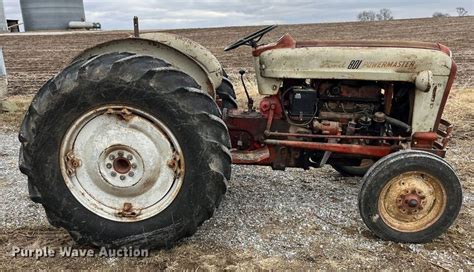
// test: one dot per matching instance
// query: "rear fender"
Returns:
(184, 54)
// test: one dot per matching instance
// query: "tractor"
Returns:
(132, 143)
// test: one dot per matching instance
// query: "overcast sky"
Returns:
(166, 14)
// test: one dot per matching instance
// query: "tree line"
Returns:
(386, 14)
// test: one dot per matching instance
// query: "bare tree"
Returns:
(440, 14)
(461, 11)
(366, 15)
(384, 15)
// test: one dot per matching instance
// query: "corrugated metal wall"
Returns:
(3, 71)
(3, 76)
(3, 19)
(51, 14)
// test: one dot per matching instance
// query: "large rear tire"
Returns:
(125, 150)
(226, 93)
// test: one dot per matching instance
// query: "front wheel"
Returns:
(410, 196)
(125, 150)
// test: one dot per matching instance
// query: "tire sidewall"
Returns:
(85, 97)
(398, 163)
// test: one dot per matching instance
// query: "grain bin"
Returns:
(3, 21)
(51, 14)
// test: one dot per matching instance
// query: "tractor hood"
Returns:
(367, 60)
(353, 61)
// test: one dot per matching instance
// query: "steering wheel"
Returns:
(252, 39)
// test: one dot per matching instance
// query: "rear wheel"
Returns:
(125, 150)
(226, 94)
(354, 170)
(410, 196)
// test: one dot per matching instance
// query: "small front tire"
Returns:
(410, 197)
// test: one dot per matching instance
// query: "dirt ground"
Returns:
(269, 219)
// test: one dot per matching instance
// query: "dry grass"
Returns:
(186, 256)
(251, 85)
(460, 112)
(11, 121)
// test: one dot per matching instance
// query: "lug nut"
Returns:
(120, 154)
(129, 157)
(111, 157)
(113, 174)
(134, 166)
(122, 177)
(131, 174)
(108, 165)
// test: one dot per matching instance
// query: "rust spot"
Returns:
(250, 157)
(171, 164)
(175, 164)
(284, 42)
(124, 113)
(71, 163)
(128, 211)
(424, 139)
(410, 203)
(374, 151)
(127, 207)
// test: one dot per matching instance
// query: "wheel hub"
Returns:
(412, 201)
(121, 166)
(124, 172)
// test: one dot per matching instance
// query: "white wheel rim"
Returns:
(121, 163)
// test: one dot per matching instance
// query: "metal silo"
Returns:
(51, 14)
(3, 20)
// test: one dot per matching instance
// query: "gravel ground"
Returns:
(269, 219)
(14, 189)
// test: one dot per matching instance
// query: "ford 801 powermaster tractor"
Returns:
(132, 143)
